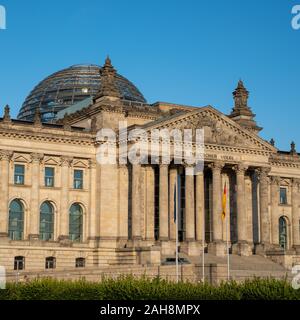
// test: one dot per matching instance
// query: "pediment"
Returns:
(21, 159)
(218, 129)
(80, 164)
(51, 161)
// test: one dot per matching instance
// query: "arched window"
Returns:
(75, 222)
(283, 234)
(16, 220)
(46, 221)
(19, 263)
(50, 263)
(80, 263)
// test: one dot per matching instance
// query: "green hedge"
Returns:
(129, 288)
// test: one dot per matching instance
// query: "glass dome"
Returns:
(66, 87)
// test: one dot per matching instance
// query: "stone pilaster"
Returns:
(66, 163)
(123, 202)
(93, 233)
(296, 214)
(5, 157)
(275, 184)
(34, 217)
(217, 247)
(136, 203)
(163, 203)
(242, 247)
(265, 225)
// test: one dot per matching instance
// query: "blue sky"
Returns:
(184, 51)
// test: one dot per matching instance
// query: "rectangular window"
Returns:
(283, 195)
(78, 179)
(50, 263)
(49, 177)
(19, 174)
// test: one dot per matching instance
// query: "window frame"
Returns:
(73, 236)
(285, 198)
(20, 222)
(17, 261)
(80, 180)
(18, 175)
(80, 262)
(49, 261)
(48, 222)
(49, 177)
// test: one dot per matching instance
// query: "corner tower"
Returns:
(241, 112)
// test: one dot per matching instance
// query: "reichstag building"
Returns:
(62, 209)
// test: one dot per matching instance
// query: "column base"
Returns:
(3, 235)
(297, 249)
(191, 248)
(168, 248)
(4, 238)
(242, 248)
(262, 248)
(34, 237)
(217, 248)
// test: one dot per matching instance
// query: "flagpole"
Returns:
(176, 237)
(227, 248)
(203, 247)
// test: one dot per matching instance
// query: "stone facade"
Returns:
(127, 209)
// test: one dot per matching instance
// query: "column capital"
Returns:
(263, 172)
(296, 182)
(163, 165)
(36, 157)
(240, 168)
(6, 155)
(92, 163)
(217, 165)
(66, 161)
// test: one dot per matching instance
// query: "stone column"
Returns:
(172, 183)
(5, 157)
(242, 247)
(34, 215)
(66, 162)
(296, 214)
(150, 204)
(136, 203)
(93, 233)
(264, 211)
(163, 203)
(189, 206)
(200, 220)
(275, 183)
(217, 247)
(123, 202)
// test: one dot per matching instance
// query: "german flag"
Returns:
(224, 200)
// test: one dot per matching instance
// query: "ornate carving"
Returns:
(296, 182)
(36, 157)
(217, 165)
(240, 168)
(66, 161)
(108, 85)
(37, 118)
(6, 155)
(92, 163)
(6, 117)
(275, 180)
(263, 172)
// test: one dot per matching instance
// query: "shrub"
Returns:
(130, 288)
